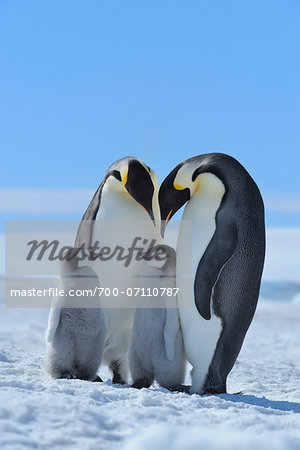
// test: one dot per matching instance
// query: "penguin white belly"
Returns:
(197, 228)
(120, 220)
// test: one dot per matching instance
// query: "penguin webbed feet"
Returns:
(68, 376)
(214, 391)
(97, 379)
(72, 376)
(117, 378)
(180, 388)
(142, 383)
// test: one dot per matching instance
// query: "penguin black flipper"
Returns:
(85, 229)
(218, 252)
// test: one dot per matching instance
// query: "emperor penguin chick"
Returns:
(76, 327)
(156, 350)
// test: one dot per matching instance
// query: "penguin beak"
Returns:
(171, 199)
(164, 223)
(139, 184)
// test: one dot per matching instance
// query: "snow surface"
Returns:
(39, 412)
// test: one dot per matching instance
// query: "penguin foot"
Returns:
(98, 380)
(140, 384)
(180, 388)
(117, 378)
(213, 392)
(68, 376)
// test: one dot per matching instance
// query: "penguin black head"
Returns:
(132, 176)
(185, 180)
(172, 196)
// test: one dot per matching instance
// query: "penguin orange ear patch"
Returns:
(124, 179)
(178, 187)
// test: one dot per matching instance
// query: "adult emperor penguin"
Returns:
(223, 224)
(123, 212)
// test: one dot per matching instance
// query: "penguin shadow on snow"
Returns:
(248, 399)
(278, 405)
(263, 402)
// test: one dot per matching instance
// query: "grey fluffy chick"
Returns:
(156, 350)
(77, 326)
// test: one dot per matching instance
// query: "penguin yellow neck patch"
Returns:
(178, 187)
(124, 179)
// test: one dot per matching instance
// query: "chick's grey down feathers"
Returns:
(76, 328)
(156, 351)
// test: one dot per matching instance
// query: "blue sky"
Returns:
(86, 83)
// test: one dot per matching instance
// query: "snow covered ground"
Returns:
(38, 412)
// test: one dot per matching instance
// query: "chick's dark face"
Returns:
(170, 198)
(140, 186)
